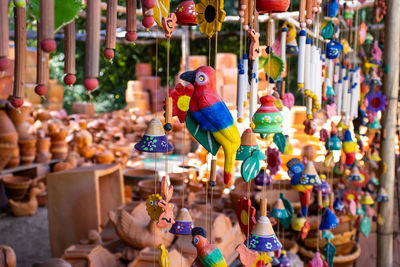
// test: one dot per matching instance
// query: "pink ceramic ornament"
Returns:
(288, 100)
(316, 261)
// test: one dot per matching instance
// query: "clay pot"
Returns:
(8, 133)
(16, 186)
(133, 176)
(43, 149)
(14, 160)
(105, 157)
(6, 152)
(22, 121)
(27, 151)
(87, 152)
(59, 149)
(59, 135)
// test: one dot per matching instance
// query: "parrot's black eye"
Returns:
(201, 78)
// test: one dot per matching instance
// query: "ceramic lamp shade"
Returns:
(272, 6)
(382, 195)
(328, 220)
(248, 145)
(185, 13)
(367, 199)
(154, 139)
(310, 175)
(279, 211)
(267, 119)
(183, 223)
(263, 237)
(355, 175)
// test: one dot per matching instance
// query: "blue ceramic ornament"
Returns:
(279, 210)
(295, 170)
(284, 260)
(262, 178)
(154, 139)
(263, 237)
(310, 175)
(382, 195)
(338, 204)
(183, 223)
(328, 220)
(333, 8)
(333, 49)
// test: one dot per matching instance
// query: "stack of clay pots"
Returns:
(43, 149)
(59, 145)
(8, 138)
(26, 139)
(83, 141)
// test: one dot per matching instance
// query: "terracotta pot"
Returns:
(339, 260)
(59, 149)
(28, 145)
(42, 199)
(6, 152)
(27, 151)
(133, 176)
(272, 6)
(22, 121)
(14, 160)
(59, 135)
(8, 133)
(87, 152)
(16, 186)
(43, 144)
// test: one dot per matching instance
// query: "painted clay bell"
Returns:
(375, 125)
(310, 175)
(267, 119)
(262, 178)
(263, 237)
(272, 6)
(279, 211)
(185, 13)
(154, 139)
(333, 143)
(248, 145)
(382, 195)
(183, 223)
(367, 199)
(355, 175)
(284, 260)
(328, 220)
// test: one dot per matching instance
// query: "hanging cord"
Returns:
(167, 102)
(248, 213)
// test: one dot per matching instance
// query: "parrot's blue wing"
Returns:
(204, 137)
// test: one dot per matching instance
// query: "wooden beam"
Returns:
(388, 134)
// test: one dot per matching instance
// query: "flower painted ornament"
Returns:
(245, 214)
(273, 160)
(154, 139)
(267, 119)
(376, 101)
(181, 98)
(152, 207)
(263, 237)
(210, 16)
(333, 49)
(183, 224)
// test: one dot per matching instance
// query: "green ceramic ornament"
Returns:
(280, 141)
(279, 210)
(365, 226)
(328, 30)
(329, 252)
(289, 210)
(274, 66)
(327, 235)
(267, 119)
(205, 138)
(375, 125)
(251, 166)
(248, 145)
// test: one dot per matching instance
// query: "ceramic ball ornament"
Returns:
(154, 139)
(183, 223)
(267, 119)
(248, 145)
(263, 237)
(185, 13)
(272, 6)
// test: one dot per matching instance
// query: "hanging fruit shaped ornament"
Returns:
(69, 53)
(5, 63)
(147, 6)
(248, 145)
(183, 223)
(46, 25)
(185, 13)
(131, 34)
(272, 6)
(111, 29)
(154, 139)
(267, 119)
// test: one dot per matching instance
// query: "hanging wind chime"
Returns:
(111, 29)
(69, 52)
(4, 37)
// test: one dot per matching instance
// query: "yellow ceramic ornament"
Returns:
(163, 256)
(161, 10)
(210, 16)
(298, 223)
(329, 161)
(345, 45)
(262, 260)
(152, 207)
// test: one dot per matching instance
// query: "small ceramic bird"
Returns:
(211, 114)
(247, 257)
(208, 255)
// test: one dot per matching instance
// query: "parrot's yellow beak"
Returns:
(188, 76)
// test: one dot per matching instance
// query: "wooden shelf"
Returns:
(32, 170)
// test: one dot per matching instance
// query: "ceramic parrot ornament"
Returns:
(207, 254)
(349, 148)
(209, 120)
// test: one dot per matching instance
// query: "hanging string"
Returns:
(207, 196)
(155, 154)
(248, 213)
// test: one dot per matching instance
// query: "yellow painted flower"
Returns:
(262, 260)
(210, 16)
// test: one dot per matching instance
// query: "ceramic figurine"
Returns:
(208, 254)
(183, 224)
(291, 43)
(166, 218)
(152, 207)
(247, 257)
(248, 145)
(185, 13)
(209, 113)
(316, 261)
(254, 50)
(168, 25)
(267, 119)
(154, 139)
(263, 237)
(349, 148)
(19, 208)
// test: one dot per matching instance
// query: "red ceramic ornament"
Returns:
(181, 96)
(17, 102)
(185, 13)
(246, 215)
(272, 6)
(90, 84)
(304, 231)
(69, 79)
(5, 63)
(41, 89)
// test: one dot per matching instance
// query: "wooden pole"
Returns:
(41, 63)
(111, 29)
(92, 48)
(388, 135)
(131, 34)
(47, 43)
(4, 36)
(69, 52)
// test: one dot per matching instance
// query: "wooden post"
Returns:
(92, 48)
(4, 36)
(185, 48)
(390, 87)
(41, 63)
(47, 43)
(111, 29)
(69, 52)
(131, 34)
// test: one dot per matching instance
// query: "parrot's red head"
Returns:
(203, 78)
(199, 237)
